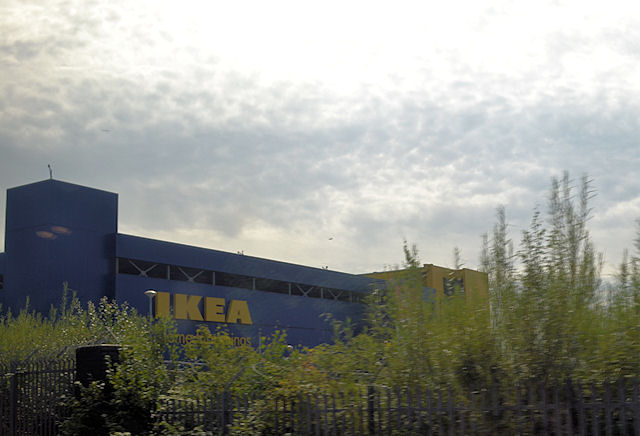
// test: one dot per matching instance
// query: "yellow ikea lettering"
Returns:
(186, 307)
(163, 304)
(215, 309)
(238, 312)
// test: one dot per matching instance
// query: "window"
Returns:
(196, 275)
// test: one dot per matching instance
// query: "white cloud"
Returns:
(267, 126)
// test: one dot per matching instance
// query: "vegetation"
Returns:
(549, 318)
(30, 335)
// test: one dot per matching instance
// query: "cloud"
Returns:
(406, 130)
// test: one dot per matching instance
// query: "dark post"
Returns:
(636, 408)
(570, 406)
(226, 411)
(93, 361)
(452, 412)
(13, 400)
(607, 408)
(371, 410)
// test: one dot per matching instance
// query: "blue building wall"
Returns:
(60, 232)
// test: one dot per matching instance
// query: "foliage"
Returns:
(30, 335)
(549, 314)
(90, 413)
(134, 385)
(142, 377)
(128, 400)
(423, 341)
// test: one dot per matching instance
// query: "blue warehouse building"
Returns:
(60, 232)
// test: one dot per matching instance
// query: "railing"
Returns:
(30, 396)
(30, 404)
(610, 409)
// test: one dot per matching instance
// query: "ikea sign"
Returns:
(215, 309)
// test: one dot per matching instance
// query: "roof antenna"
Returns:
(50, 172)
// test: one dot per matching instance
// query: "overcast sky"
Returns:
(325, 133)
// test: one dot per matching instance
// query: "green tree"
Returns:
(549, 315)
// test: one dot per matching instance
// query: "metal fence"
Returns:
(609, 409)
(30, 396)
(30, 404)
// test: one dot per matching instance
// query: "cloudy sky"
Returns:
(326, 133)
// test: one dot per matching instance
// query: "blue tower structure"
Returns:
(58, 232)
(61, 232)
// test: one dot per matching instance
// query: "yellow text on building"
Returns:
(215, 309)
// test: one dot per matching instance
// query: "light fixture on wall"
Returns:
(151, 294)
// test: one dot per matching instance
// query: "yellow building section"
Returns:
(445, 281)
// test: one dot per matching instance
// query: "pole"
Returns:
(150, 293)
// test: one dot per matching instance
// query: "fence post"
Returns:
(226, 412)
(543, 406)
(452, 412)
(622, 421)
(570, 405)
(13, 399)
(93, 363)
(371, 410)
(636, 408)
(607, 409)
